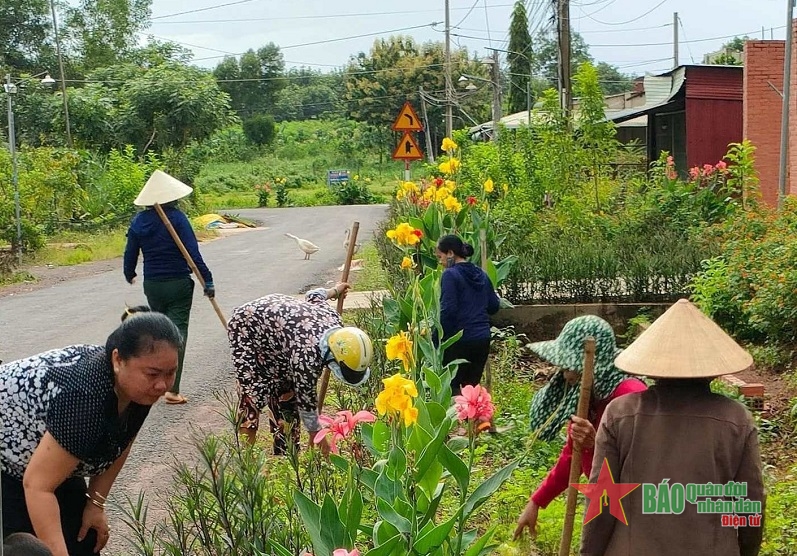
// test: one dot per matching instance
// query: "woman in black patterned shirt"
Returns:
(71, 414)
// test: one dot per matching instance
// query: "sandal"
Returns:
(175, 399)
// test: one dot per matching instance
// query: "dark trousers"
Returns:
(173, 298)
(71, 496)
(476, 353)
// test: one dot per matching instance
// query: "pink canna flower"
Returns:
(475, 403)
(694, 172)
(670, 161)
(708, 169)
(344, 552)
(340, 426)
(722, 166)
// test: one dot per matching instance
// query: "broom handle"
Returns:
(575, 462)
(355, 227)
(190, 261)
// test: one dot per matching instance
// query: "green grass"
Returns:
(71, 248)
(372, 277)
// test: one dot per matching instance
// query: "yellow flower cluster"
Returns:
(396, 399)
(449, 145)
(400, 345)
(407, 188)
(406, 263)
(404, 235)
(452, 204)
(450, 166)
(489, 186)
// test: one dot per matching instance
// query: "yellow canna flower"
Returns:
(451, 185)
(399, 347)
(452, 204)
(489, 186)
(485, 206)
(406, 263)
(400, 195)
(404, 235)
(450, 166)
(449, 145)
(410, 416)
(505, 187)
(441, 194)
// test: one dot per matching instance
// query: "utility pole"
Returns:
(784, 119)
(61, 68)
(427, 130)
(675, 63)
(449, 93)
(12, 147)
(563, 10)
(496, 82)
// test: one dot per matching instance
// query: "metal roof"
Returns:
(659, 91)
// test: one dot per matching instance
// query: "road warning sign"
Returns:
(407, 149)
(407, 120)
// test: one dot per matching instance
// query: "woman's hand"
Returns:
(527, 519)
(94, 518)
(342, 288)
(583, 433)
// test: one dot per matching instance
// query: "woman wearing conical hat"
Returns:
(678, 431)
(555, 404)
(167, 276)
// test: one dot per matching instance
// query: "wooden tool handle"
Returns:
(190, 261)
(575, 463)
(355, 227)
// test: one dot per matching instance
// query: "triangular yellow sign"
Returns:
(407, 120)
(407, 149)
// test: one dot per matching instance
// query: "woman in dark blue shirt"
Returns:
(167, 276)
(467, 298)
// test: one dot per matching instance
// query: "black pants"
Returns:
(173, 298)
(476, 353)
(71, 496)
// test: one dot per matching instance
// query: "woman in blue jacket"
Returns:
(167, 276)
(467, 299)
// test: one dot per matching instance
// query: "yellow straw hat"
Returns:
(684, 343)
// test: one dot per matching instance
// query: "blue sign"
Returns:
(335, 177)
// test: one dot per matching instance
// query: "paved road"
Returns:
(245, 266)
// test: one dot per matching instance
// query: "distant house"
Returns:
(694, 112)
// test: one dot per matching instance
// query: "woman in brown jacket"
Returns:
(676, 433)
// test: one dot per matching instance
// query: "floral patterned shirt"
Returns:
(275, 348)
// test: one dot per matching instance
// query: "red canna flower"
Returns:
(471, 200)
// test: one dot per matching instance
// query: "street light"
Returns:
(11, 88)
(495, 81)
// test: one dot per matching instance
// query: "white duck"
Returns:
(307, 246)
(346, 243)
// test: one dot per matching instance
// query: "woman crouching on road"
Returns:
(71, 414)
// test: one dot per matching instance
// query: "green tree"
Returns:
(102, 33)
(546, 62)
(378, 83)
(730, 53)
(253, 80)
(519, 58)
(25, 28)
(596, 136)
(309, 94)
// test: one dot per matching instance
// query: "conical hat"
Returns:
(684, 343)
(161, 188)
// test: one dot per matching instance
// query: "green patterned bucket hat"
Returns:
(555, 402)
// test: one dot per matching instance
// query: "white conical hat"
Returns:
(161, 188)
(684, 343)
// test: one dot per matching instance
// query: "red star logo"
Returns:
(605, 492)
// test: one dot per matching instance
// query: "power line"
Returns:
(203, 9)
(651, 10)
(470, 11)
(681, 23)
(327, 41)
(322, 16)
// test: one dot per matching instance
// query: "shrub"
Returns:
(260, 129)
(353, 193)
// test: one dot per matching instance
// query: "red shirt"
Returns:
(558, 478)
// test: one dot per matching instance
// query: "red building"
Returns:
(694, 113)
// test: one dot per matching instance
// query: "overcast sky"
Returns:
(635, 35)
